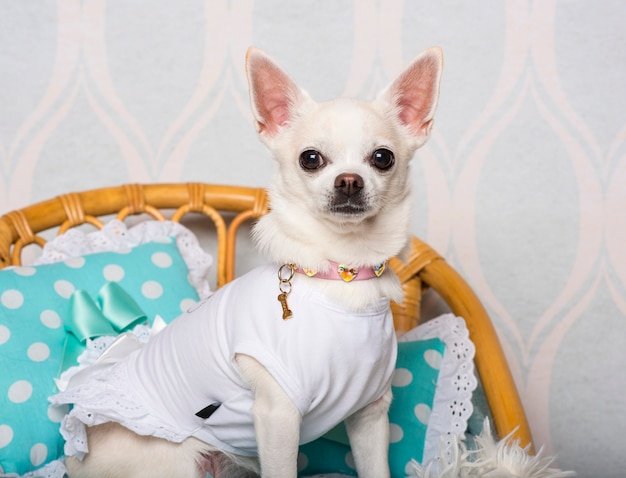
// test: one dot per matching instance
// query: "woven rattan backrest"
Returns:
(423, 268)
(21, 228)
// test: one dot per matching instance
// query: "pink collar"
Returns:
(346, 273)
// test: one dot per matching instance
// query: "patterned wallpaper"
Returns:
(522, 186)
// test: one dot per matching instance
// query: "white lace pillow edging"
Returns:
(452, 404)
(54, 469)
(115, 235)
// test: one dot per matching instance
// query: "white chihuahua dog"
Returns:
(233, 386)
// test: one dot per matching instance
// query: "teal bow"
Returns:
(114, 312)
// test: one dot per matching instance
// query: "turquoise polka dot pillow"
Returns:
(34, 302)
(432, 386)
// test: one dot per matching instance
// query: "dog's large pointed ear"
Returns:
(274, 96)
(413, 96)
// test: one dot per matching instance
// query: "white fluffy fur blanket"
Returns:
(490, 459)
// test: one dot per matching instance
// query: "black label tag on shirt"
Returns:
(207, 411)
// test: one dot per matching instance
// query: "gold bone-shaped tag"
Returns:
(282, 298)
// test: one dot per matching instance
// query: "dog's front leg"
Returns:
(368, 431)
(276, 421)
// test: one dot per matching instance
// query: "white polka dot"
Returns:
(64, 288)
(25, 271)
(422, 412)
(57, 412)
(50, 319)
(303, 461)
(161, 259)
(433, 358)
(186, 304)
(20, 391)
(5, 334)
(113, 273)
(38, 352)
(6, 435)
(38, 454)
(12, 299)
(395, 433)
(350, 460)
(402, 377)
(152, 289)
(75, 262)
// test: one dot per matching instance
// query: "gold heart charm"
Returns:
(309, 272)
(347, 274)
(379, 269)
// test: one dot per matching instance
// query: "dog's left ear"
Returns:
(413, 96)
(275, 97)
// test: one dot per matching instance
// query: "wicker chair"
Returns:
(229, 207)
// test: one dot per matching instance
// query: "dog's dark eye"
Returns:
(383, 159)
(311, 160)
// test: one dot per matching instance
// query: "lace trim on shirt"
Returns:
(112, 401)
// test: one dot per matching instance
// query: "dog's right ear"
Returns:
(274, 96)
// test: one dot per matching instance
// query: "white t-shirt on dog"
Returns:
(329, 360)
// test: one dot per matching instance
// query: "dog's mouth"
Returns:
(348, 208)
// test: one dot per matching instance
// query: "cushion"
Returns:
(34, 301)
(432, 387)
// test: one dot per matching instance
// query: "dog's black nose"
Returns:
(349, 183)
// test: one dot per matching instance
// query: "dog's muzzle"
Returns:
(348, 198)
